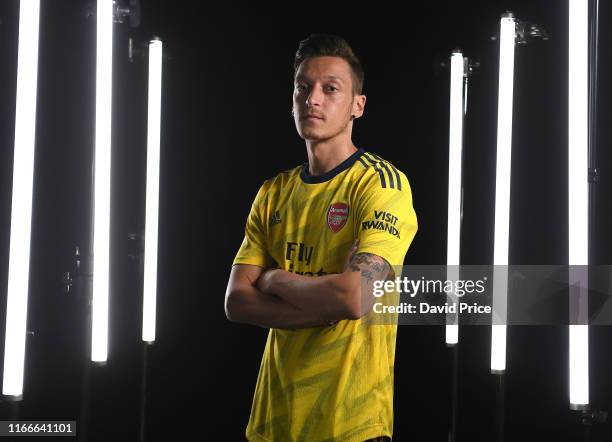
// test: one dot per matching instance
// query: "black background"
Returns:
(226, 128)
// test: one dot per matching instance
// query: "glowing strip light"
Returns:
(502, 182)
(152, 198)
(21, 209)
(102, 175)
(578, 188)
(454, 180)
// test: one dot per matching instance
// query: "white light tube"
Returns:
(502, 180)
(578, 191)
(454, 180)
(21, 209)
(102, 184)
(152, 192)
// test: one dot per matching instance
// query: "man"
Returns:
(316, 239)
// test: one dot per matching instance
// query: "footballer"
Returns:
(316, 238)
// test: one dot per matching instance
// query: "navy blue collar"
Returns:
(314, 179)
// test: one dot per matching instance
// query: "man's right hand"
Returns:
(244, 302)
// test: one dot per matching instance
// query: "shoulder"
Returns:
(277, 182)
(379, 173)
(282, 178)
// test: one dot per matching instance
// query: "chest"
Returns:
(307, 225)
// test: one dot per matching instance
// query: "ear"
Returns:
(358, 106)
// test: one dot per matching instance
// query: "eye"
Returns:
(300, 87)
(332, 88)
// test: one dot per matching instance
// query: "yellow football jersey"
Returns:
(327, 383)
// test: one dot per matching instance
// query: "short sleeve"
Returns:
(386, 219)
(253, 248)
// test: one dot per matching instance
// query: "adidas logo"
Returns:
(275, 219)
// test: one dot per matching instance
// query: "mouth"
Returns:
(311, 117)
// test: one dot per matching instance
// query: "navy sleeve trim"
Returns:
(374, 163)
(397, 176)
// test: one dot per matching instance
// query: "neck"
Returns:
(324, 155)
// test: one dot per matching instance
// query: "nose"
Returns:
(315, 96)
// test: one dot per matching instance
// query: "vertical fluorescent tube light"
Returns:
(454, 179)
(102, 184)
(152, 189)
(21, 209)
(578, 190)
(502, 180)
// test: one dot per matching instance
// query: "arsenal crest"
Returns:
(337, 215)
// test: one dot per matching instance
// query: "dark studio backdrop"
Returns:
(226, 128)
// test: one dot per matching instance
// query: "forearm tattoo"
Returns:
(372, 267)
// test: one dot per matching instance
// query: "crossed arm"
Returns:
(275, 298)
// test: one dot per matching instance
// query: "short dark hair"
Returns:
(321, 45)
